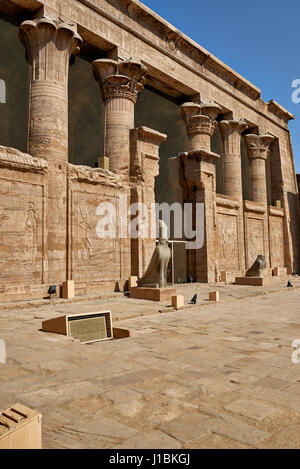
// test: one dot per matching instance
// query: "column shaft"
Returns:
(232, 170)
(120, 84)
(199, 168)
(49, 45)
(258, 149)
(119, 120)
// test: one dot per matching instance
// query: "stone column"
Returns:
(49, 44)
(232, 170)
(120, 84)
(231, 131)
(144, 169)
(199, 168)
(258, 150)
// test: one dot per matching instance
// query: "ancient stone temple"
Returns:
(102, 101)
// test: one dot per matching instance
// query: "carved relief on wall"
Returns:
(21, 233)
(94, 258)
(31, 233)
(254, 240)
(87, 229)
(228, 242)
(277, 242)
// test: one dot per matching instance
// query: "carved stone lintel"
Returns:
(94, 176)
(121, 80)
(15, 159)
(223, 201)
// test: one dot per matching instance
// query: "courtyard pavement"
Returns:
(210, 376)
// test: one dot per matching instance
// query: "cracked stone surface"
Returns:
(211, 376)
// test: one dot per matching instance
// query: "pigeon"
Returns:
(194, 299)
(289, 284)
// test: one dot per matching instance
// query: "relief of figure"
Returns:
(277, 246)
(31, 232)
(255, 244)
(223, 244)
(86, 228)
(157, 271)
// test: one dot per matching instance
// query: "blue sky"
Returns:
(259, 39)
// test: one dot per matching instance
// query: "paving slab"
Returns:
(213, 375)
(249, 408)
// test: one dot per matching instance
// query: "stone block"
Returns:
(189, 427)
(20, 428)
(224, 277)
(278, 203)
(68, 289)
(152, 294)
(132, 282)
(255, 410)
(178, 301)
(279, 271)
(253, 281)
(103, 162)
(119, 333)
(214, 296)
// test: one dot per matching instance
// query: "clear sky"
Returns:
(259, 39)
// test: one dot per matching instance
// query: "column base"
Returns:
(152, 294)
(253, 281)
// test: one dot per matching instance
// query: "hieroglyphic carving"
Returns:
(31, 233)
(21, 233)
(86, 229)
(94, 258)
(255, 239)
(228, 242)
(277, 242)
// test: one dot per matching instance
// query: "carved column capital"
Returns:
(231, 131)
(258, 145)
(46, 42)
(201, 123)
(120, 79)
(200, 118)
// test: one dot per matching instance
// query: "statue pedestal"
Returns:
(253, 281)
(152, 294)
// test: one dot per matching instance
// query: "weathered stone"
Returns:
(258, 268)
(150, 440)
(189, 427)
(48, 225)
(249, 408)
(156, 274)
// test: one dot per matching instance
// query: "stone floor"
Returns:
(209, 376)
